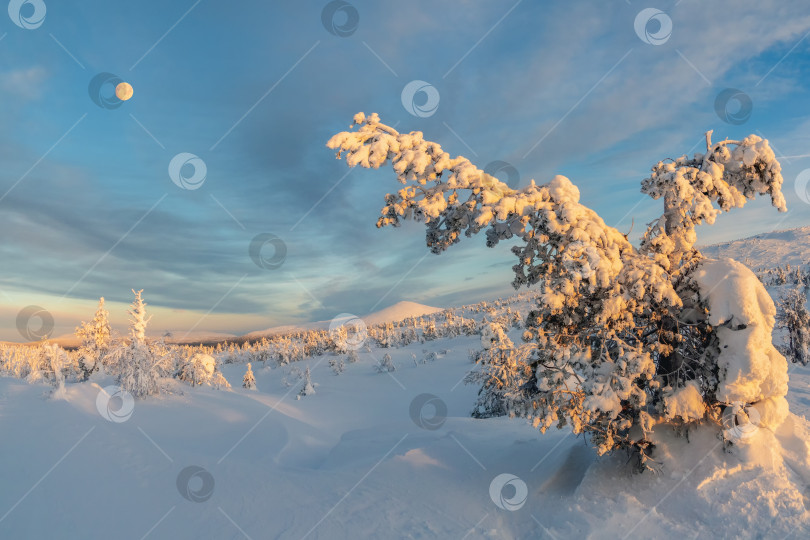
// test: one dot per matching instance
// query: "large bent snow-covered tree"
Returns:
(625, 337)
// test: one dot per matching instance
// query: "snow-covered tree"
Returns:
(623, 336)
(197, 370)
(794, 319)
(95, 340)
(139, 320)
(308, 389)
(219, 381)
(201, 369)
(337, 365)
(386, 365)
(140, 366)
(504, 374)
(493, 334)
(248, 381)
(781, 276)
(54, 362)
(429, 332)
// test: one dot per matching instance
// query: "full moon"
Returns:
(123, 91)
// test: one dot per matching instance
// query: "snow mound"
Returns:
(751, 491)
(751, 369)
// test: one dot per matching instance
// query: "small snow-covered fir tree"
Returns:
(219, 381)
(504, 378)
(248, 381)
(429, 331)
(139, 320)
(623, 337)
(308, 389)
(262, 352)
(386, 365)
(504, 373)
(55, 361)
(95, 340)
(138, 365)
(337, 365)
(793, 317)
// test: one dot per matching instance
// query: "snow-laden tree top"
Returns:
(700, 188)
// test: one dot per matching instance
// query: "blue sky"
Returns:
(256, 89)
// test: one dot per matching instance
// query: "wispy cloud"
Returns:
(24, 83)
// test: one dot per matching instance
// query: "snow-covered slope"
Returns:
(766, 250)
(362, 459)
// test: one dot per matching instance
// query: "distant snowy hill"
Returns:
(398, 312)
(394, 313)
(766, 250)
(177, 337)
(197, 336)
